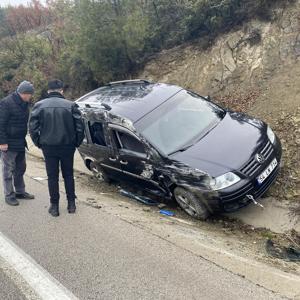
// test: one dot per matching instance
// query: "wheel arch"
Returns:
(88, 161)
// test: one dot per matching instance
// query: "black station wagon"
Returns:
(172, 142)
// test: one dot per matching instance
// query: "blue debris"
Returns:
(142, 199)
(166, 213)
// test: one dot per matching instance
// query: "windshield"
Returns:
(179, 122)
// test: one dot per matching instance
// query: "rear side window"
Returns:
(97, 133)
(128, 142)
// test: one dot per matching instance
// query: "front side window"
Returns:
(97, 133)
(128, 142)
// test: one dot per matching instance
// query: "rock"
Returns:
(98, 206)
(161, 205)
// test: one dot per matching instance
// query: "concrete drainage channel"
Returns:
(274, 216)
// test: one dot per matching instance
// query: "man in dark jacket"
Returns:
(56, 127)
(14, 114)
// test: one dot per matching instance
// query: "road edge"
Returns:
(261, 274)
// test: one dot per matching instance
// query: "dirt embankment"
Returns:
(255, 69)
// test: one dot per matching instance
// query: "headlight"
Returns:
(271, 135)
(224, 181)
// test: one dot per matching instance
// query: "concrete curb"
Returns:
(269, 277)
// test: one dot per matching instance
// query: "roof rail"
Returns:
(104, 105)
(128, 82)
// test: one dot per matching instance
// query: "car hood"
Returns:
(226, 147)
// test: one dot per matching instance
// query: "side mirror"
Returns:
(142, 155)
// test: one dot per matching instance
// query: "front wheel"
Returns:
(191, 203)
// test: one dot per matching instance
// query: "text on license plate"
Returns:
(264, 175)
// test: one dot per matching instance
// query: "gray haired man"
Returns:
(14, 115)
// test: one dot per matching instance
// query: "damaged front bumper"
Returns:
(248, 190)
(232, 200)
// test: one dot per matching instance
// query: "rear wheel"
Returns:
(191, 203)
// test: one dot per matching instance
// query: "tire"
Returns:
(191, 204)
(99, 174)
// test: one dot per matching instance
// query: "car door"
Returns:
(134, 158)
(102, 150)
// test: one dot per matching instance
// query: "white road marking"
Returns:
(42, 283)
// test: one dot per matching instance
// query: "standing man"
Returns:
(56, 127)
(14, 114)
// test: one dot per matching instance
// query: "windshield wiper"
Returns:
(182, 149)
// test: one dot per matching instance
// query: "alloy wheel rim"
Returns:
(186, 205)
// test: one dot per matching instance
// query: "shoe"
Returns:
(12, 202)
(25, 195)
(53, 210)
(71, 207)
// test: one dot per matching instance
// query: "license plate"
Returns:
(265, 174)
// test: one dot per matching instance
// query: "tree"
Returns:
(22, 18)
(111, 36)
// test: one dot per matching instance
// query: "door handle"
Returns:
(124, 162)
(112, 159)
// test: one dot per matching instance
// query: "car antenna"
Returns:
(106, 106)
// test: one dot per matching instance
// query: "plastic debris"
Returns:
(166, 213)
(40, 178)
(142, 199)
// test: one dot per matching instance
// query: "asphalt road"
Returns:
(96, 255)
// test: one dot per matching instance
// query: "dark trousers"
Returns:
(63, 156)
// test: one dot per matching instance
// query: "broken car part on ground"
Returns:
(175, 143)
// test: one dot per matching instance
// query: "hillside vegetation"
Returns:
(88, 43)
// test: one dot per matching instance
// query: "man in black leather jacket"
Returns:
(56, 127)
